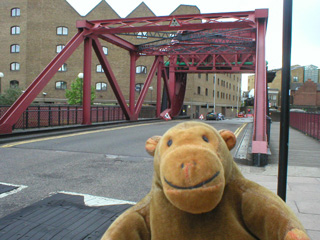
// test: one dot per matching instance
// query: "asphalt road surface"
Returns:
(108, 162)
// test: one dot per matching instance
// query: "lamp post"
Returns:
(1, 76)
(151, 89)
(80, 75)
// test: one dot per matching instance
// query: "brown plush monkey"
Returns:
(199, 193)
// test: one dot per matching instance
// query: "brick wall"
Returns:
(307, 94)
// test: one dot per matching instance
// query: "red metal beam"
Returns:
(172, 23)
(120, 42)
(146, 86)
(159, 76)
(87, 82)
(132, 93)
(15, 111)
(111, 78)
(259, 141)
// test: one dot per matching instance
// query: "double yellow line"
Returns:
(238, 131)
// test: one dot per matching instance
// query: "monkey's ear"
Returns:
(151, 144)
(229, 138)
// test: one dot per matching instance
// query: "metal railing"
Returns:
(308, 123)
(56, 115)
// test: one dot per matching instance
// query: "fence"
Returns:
(308, 123)
(53, 115)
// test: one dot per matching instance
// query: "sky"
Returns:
(305, 22)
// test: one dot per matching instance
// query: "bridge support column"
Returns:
(132, 99)
(86, 101)
(259, 141)
(159, 76)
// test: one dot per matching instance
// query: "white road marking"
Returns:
(18, 189)
(95, 201)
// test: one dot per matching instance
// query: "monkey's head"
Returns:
(192, 162)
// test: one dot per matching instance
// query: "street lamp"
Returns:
(1, 76)
(80, 75)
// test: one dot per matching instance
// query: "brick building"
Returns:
(306, 94)
(299, 77)
(33, 32)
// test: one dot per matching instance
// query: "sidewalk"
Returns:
(303, 185)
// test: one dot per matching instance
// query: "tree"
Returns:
(10, 96)
(75, 94)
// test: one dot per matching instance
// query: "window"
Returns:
(213, 93)
(227, 96)
(15, 12)
(63, 68)
(101, 86)
(142, 35)
(218, 94)
(105, 50)
(206, 91)
(199, 75)
(99, 69)
(15, 66)
(207, 77)
(218, 81)
(295, 79)
(141, 69)
(15, 48)
(59, 48)
(139, 87)
(14, 84)
(61, 85)
(62, 31)
(227, 85)
(15, 30)
(199, 91)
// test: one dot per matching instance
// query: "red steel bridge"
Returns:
(232, 42)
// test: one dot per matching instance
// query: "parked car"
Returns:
(240, 114)
(220, 116)
(212, 116)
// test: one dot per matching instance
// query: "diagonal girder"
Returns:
(111, 77)
(12, 115)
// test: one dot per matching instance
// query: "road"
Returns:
(109, 162)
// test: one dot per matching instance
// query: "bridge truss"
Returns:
(231, 42)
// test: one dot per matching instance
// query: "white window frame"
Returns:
(101, 86)
(61, 85)
(62, 30)
(141, 69)
(15, 12)
(15, 48)
(14, 66)
(15, 30)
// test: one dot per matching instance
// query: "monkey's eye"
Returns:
(205, 139)
(169, 143)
